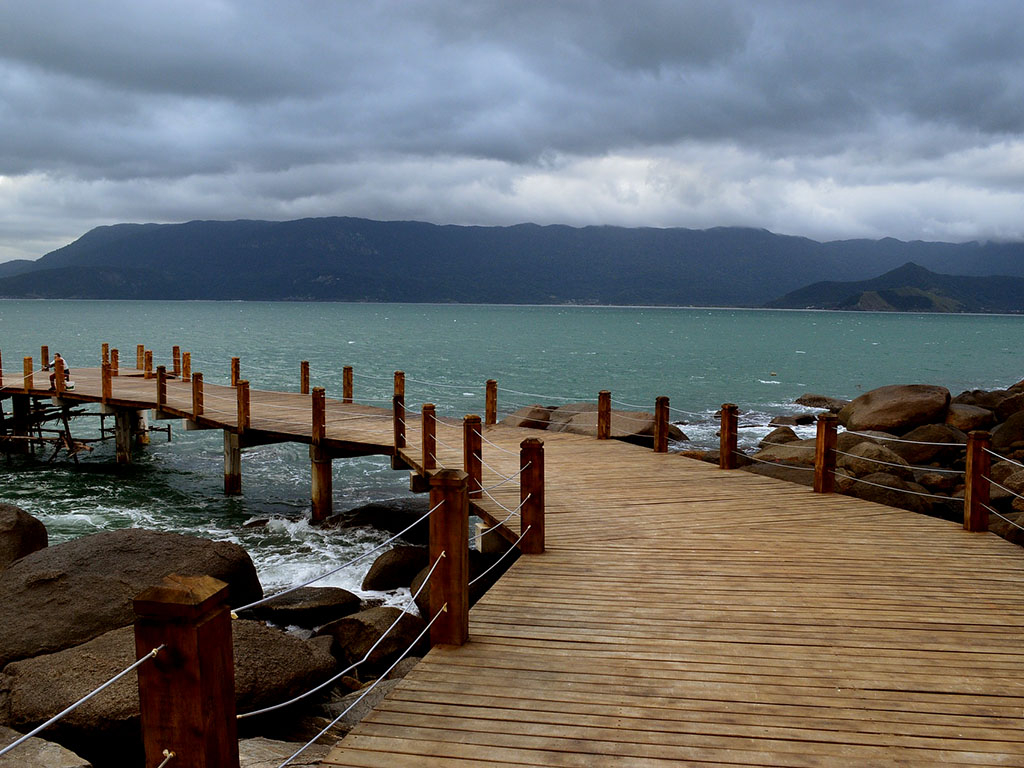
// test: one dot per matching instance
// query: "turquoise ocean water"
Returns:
(760, 359)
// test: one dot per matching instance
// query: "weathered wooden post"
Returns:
(140, 356)
(304, 377)
(104, 353)
(472, 454)
(141, 427)
(58, 375)
(242, 403)
(531, 495)
(176, 361)
(398, 407)
(123, 435)
(44, 357)
(727, 437)
(825, 454)
(346, 384)
(1, 371)
(107, 388)
(161, 387)
(26, 367)
(491, 407)
(115, 362)
(236, 371)
(321, 469)
(661, 424)
(429, 436)
(449, 548)
(187, 691)
(604, 414)
(197, 396)
(186, 366)
(976, 478)
(148, 372)
(232, 464)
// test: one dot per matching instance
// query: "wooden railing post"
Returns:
(319, 416)
(186, 366)
(429, 436)
(1, 370)
(449, 548)
(197, 396)
(140, 356)
(107, 390)
(161, 387)
(26, 368)
(491, 406)
(322, 495)
(236, 371)
(148, 370)
(346, 384)
(176, 361)
(104, 353)
(187, 692)
(604, 414)
(58, 374)
(398, 407)
(661, 424)
(825, 454)
(242, 392)
(304, 377)
(531, 495)
(472, 454)
(976, 475)
(727, 437)
(115, 362)
(44, 357)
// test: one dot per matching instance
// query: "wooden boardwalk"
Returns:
(685, 615)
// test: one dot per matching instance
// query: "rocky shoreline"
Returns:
(68, 628)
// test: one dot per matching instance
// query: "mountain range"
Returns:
(350, 259)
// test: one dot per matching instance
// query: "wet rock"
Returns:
(20, 534)
(532, 416)
(67, 594)
(356, 634)
(833, 404)
(897, 408)
(395, 568)
(308, 607)
(968, 418)
(799, 420)
(392, 515)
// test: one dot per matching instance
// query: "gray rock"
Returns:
(779, 435)
(532, 416)
(1009, 435)
(308, 607)
(811, 400)
(914, 453)
(395, 568)
(392, 515)
(356, 634)
(20, 534)
(67, 594)
(37, 753)
(897, 408)
(793, 452)
(268, 753)
(968, 418)
(866, 458)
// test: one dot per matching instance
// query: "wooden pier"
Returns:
(680, 614)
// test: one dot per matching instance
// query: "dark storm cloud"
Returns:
(800, 116)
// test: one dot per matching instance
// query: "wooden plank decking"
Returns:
(688, 615)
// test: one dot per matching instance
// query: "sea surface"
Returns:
(759, 359)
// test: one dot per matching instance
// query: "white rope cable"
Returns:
(138, 663)
(632, 405)
(339, 675)
(1001, 517)
(494, 445)
(503, 556)
(439, 441)
(901, 490)
(437, 461)
(480, 458)
(776, 463)
(550, 397)
(1004, 488)
(369, 688)
(508, 479)
(901, 466)
(789, 445)
(340, 567)
(900, 440)
(438, 384)
(370, 376)
(511, 513)
(689, 413)
(168, 756)
(995, 455)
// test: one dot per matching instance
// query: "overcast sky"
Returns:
(824, 119)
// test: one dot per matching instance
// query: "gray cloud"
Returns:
(820, 118)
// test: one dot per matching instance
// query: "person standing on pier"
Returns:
(67, 370)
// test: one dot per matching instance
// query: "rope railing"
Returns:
(168, 756)
(550, 397)
(940, 470)
(901, 440)
(505, 554)
(511, 513)
(508, 478)
(801, 467)
(502, 475)
(1003, 488)
(501, 448)
(900, 490)
(61, 715)
(1003, 517)
(367, 690)
(631, 405)
(999, 457)
(353, 561)
(409, 604)
(794, 444)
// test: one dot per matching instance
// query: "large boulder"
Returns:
(868, 458)
(270, 666)
(20, 534)
(67, 594)
(308, 607)
(797, 420)
(630, 426)
(897, 408)
(792, 452)
(395, 568)
(354, 636)
(1015, 484)
(392, 515)
(778, 436)
(931, 443)
(982, 398)
(563, 414)
(811, 400)
(886, 488)
(1011, 405)
(532, 416)
(968, 418)
(1009, 436)
(36, 753)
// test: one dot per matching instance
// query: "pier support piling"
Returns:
(322, 496)
(123, 423)
(232, 464)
